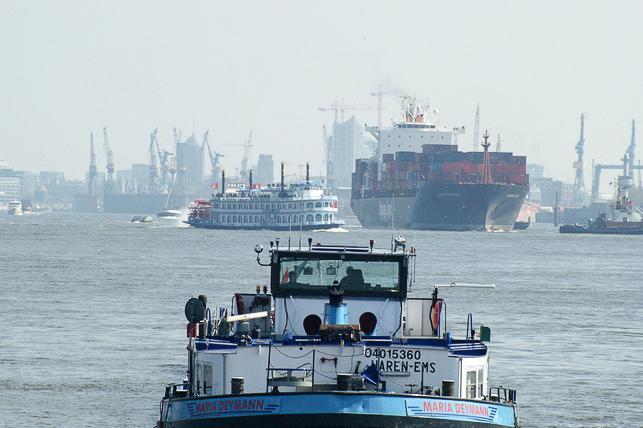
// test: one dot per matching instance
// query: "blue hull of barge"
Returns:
(333, 409)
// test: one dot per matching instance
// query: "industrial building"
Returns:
(189, 165)
(265, 173)
(347, 142)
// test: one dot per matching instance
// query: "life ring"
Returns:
(435, 315)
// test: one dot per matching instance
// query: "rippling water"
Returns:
(92, 326)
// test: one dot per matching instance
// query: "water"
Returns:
(92, 325)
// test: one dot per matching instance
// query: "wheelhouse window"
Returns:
(471, 384)
(312, 275)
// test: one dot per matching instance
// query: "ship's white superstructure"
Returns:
(414, 130)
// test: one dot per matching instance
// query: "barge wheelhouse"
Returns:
(336, 342)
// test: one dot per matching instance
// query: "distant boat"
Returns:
(522, 225)
(142, 219)
(169, 213)
(15, 207)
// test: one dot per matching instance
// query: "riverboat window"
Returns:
(301, 274)
(326, 204)
(309, 217)
(295, 219)
(471, 384)
(310, 205)
(325, 217)
(318, 217)
(318, 205)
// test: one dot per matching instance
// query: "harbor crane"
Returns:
(91, 179)
(166, 162)
(110, 184)
(215, 165)
(579, 181)
(154, 173)
(627, 167)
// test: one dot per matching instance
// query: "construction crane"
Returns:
(579, 181)
(110, 185)
(379, 94)
(91, 179)
(215, 166)
(247, 145)
(339, 108)
(154, 173)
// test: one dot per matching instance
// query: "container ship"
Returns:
(298, 206)
(420, 180)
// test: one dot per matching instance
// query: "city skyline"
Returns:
(66, 71)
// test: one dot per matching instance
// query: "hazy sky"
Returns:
(71, 67)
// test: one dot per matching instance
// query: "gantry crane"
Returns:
(247, 145)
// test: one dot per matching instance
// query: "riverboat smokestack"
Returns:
(250, 179)
(307, 172)
(282, 177)
(223, 182)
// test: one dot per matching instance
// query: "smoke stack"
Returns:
(282, 176)
(307, 172)
(223, 182)
(250, 179)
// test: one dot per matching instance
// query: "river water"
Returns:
(92, 325)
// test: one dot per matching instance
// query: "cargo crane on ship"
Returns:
(579, 181)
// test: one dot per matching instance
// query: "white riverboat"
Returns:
(335, 342)
(296, 206)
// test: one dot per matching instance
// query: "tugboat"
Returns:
(626, 219)
(336, 342)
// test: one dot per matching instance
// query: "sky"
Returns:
(68, 68)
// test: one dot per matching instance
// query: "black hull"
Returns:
(204, 225)
(438, 206)
(324, 421)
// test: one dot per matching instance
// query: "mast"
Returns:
(486, 167)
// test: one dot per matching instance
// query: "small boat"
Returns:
(337, 342)
(169, 213)
(15, 207)
(142, 219)
(522, 225)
